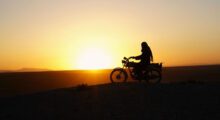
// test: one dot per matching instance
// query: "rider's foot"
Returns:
(139, 77)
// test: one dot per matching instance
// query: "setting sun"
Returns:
(94, 58)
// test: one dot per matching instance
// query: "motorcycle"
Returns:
(151, 73)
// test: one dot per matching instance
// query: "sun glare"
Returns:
(94, 58)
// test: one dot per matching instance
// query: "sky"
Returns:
(90, 34)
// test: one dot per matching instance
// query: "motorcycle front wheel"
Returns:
(118, 75)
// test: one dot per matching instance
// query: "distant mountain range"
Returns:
(2, 71)
(25, 70)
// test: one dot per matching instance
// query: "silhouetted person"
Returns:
(145, 58)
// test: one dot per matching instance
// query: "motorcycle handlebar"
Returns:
(128, 58)
(125, 58)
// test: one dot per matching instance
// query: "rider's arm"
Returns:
(137, 57)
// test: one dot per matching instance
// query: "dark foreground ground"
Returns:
(21, 83)
(127, 101)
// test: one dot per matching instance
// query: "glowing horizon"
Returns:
(63, 35)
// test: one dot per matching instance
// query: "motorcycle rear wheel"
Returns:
(154, 77)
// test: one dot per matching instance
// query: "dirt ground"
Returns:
(126, 101)
(12, 84)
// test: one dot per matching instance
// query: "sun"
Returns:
(94, 58)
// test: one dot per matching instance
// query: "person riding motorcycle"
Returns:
(145, 58)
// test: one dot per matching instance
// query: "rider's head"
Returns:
(144, 47)
(144, 44)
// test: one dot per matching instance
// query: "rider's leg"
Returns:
(139, 71)
(142, 71)
(145, 69)
(135, 68)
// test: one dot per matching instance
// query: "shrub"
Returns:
(81, 87)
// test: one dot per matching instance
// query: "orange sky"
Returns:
(71, 34)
